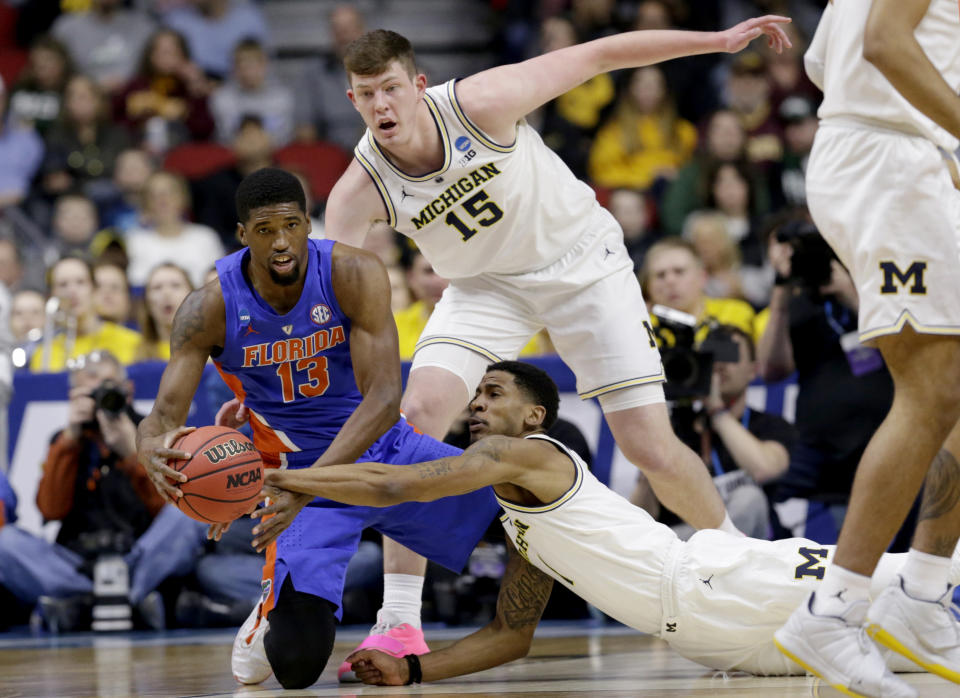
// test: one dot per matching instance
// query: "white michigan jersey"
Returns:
(494, 208)
(597, 544)
(854, 89)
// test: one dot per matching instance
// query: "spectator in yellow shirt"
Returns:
(78, 329)
(674, 275)
(166, 287)
(426, 288)
(645, 140)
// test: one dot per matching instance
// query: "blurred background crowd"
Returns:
(125, 127)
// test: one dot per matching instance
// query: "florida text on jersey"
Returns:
(293, 372)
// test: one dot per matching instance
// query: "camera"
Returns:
(109, 397)
(688, 365)
(812, 255)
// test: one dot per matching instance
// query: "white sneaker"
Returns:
(925, 632)
(837, 649)
(249, 658)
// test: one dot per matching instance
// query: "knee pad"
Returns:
(300, 638)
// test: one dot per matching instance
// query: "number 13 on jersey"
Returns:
(308, 376)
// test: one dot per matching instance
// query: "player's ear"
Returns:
(535, 415)
(241, 234)
(353, 98)
(420, 81)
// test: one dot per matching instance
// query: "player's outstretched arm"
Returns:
(524, 592)
(890, 44)
(198, 327)
(353, 206)
(494, 460)
(496, 99)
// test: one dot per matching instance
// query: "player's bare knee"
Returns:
(653, 457)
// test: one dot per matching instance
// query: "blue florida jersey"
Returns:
(293, 372)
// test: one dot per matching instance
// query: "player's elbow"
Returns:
(512, 644)
(392, 492)
(878, 46)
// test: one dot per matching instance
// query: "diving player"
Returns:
(716, 599)
(302, 331)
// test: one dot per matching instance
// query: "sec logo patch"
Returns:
(320, 314)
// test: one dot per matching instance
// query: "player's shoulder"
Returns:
(355, 192)
(203, 305)
(358, 277)
(511, 449)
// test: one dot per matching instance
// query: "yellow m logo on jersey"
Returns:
(913, 275)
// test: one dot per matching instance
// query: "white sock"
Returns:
(839, 589)
(402, 595)
(925, 576)
(728, 526)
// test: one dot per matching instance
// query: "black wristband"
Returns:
(413, 667)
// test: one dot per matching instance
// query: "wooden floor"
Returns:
(565, 661)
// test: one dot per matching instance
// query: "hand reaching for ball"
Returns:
(154, 452)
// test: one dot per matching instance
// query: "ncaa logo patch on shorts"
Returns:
(462, 144)
(320, 314)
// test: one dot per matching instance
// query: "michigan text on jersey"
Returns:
(454, 193)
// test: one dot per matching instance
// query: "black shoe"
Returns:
(196, 610)
(151, 612)
(65, 615)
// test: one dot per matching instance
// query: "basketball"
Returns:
(224, 475)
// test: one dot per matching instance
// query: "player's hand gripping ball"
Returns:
(224, 476)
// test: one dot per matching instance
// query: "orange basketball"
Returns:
(224, 475)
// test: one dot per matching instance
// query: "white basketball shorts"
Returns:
(589, 301)
(885, 202)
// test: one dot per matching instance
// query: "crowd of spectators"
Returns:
(105, 225)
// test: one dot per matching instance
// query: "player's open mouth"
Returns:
(386, 125)
(282, 263)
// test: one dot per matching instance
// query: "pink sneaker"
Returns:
(397, 641)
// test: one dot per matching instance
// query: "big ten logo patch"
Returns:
(463, 145)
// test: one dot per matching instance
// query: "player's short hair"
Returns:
(536, 384)
(267, 187)
(372, 53)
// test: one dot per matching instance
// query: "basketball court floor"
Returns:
(566, 660)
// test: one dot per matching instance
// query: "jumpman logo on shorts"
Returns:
(707, 581)
(607, 252)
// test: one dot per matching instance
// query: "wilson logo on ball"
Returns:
(243, 479)
(232, 447)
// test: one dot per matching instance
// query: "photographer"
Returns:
(745, 449)
(107, 507)
(845, 390)
(673, 275)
